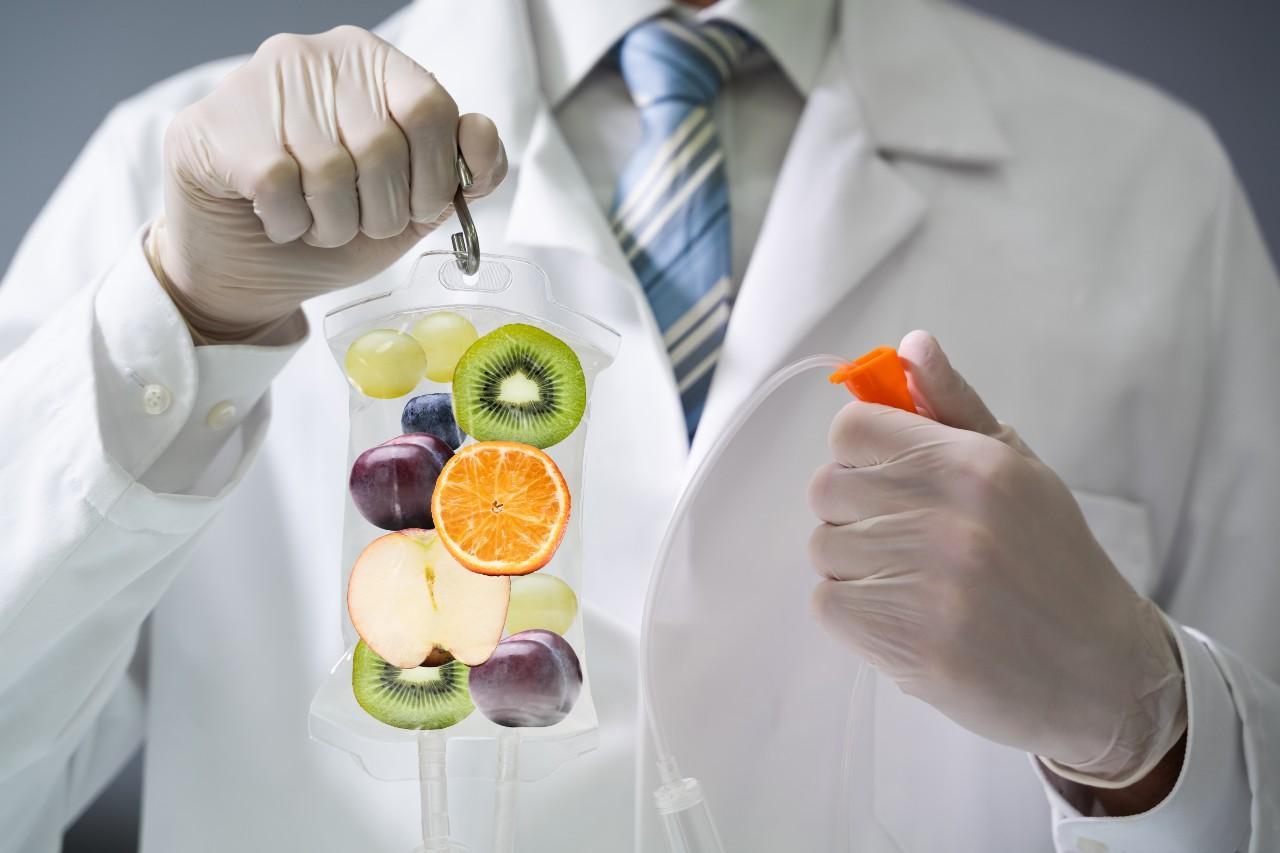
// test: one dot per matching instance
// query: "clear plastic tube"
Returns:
(685, 815)
(433, 785)
(862, 699)
(507, 786)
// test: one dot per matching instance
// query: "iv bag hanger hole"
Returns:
(469, 272)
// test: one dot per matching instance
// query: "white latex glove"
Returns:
(313, 166)
(961, 567)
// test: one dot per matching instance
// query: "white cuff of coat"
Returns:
(1208, 808)
(167, 406)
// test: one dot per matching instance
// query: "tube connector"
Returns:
(686, 818)
(677, 795)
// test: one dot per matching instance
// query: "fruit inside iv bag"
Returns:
(422, 697)
(470, 501)
(532, 679)
(391, 484)
(501, 507)
(384, 363)
(444, 336)
(543, 601)
(408, 596)
(519, 383)
(433, 414)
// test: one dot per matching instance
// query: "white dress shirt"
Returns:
(755, 113)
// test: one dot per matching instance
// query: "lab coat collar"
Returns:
(919, 92)
(572, 37)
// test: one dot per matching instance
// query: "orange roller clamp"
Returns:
(877, 377)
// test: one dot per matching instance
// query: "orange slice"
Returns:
(501, 507)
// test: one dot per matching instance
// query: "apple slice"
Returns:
(408, 596)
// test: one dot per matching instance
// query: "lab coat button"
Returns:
(1088, 845)
(222, 415)
(156, 399)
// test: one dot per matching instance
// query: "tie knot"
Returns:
(665, 59)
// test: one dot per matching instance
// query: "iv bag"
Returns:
(504, 290)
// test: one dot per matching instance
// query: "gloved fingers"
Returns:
(943, 394)
(833, 495)
(868, 618)
(377, 146)
(257, 169)
(881, 546)
(428, 117)
(308, 129)
(328, 177)
(482, 149)
(382, 182)
(276, 192)
(865, 434)
(838, 614)
(938, 388)
(839, 494)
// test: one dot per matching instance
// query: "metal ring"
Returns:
(466, 243)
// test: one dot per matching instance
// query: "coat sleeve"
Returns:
(109, 470)
(1225, 573)
(1221, 584)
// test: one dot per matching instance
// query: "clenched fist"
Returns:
(313, 166)
(962, 568)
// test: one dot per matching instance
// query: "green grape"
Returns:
(385, 363)
(540, 601)
(444, 337)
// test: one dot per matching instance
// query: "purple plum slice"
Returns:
(391, 484)
(433, 444)
(533, 678)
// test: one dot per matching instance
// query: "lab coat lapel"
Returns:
(894, 86)
(553, 206)
(838, 210)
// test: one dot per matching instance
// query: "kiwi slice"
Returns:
(519, 383)
(425, 697)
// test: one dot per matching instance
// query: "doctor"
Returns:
(731, 196)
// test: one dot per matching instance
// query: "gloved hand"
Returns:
(311, 167)
(960, 566)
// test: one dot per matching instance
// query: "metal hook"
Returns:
(466, 243)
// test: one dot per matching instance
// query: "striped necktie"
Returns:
(671, 209)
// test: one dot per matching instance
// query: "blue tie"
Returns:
(671, 209)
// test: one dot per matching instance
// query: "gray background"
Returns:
(63, 64)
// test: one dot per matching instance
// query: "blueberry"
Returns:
(433, 413)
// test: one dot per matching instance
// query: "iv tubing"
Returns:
(668, 769)
(433, 784)
(507, 785)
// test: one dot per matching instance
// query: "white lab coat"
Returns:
(1076, 240)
